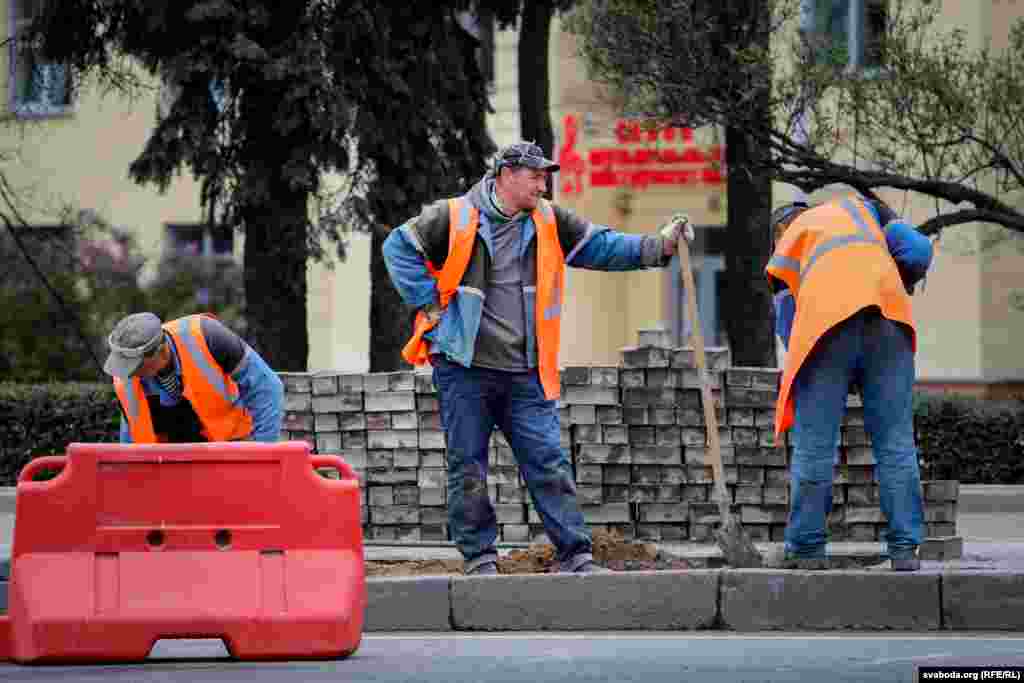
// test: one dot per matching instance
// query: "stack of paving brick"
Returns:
(595, 433)
(638, 444)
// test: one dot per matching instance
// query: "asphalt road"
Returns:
(598, 658)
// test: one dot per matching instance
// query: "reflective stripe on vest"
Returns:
(464, 220)
(189, 330)
(836, 287)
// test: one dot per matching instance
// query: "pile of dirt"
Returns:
(611, 550)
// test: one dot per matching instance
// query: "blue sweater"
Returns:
(911, 250)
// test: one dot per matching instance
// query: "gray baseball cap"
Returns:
(133, 338)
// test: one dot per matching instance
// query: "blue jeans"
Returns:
(876, 353)
(474, 401)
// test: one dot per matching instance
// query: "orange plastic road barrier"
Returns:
(130, 544)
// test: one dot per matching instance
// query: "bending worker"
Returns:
(486, 272)
(191, 380)
(843, 273)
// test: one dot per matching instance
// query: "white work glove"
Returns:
(677, 226)
(432, 311)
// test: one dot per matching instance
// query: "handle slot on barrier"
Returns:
(333, 462)
(42, 464)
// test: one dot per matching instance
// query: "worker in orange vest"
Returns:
(486, 273)
(843, 273)
(191, 380)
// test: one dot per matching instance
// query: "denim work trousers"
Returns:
(877, 354)
(474, 401)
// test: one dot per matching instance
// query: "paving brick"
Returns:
(389, 401)
(615, 434)
(515, 533)
(431, 439)
(641, 435)
(576, 375)
(425, 383)
(391, 476)
(941, 490)
(645, 357)
(590, 395)
(601, 454)
(328, 442)
(632, 379)
(299, 422)
(380, 496)
(295, 382)
(295, 402)
(664, 378)
(763, 600)
(663, 512)
(635, 415)
(583, 414)
(673, 474)
(433, 458)
(609, 415)
(431, 497)
(751, 494)
(656, 455)
(392, 438)
(616, 474)
(646, 474)
(608, 513)
(589, 474)
(763, 514)
(407, 495)
(616, 493)
(324, 384)
(427, 404)
(395, 514)
(586, 434)
(647, 397)
(940, 512)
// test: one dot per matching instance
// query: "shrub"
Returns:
(43, 419)
(975, 441)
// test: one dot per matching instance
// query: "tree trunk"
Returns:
(534, 83)
(747, 308)
(275, 278)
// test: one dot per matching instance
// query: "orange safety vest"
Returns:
(835, 261)
(464, 219)
(210, 390)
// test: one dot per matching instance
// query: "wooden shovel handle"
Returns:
(710, 418)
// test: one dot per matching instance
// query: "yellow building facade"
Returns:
(77, 152)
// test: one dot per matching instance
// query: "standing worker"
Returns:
(843, 273)
(191, 380)
(486, 272)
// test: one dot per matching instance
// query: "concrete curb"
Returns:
(738, 600)
(729, 600)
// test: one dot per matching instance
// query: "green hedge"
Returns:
(972, 440)
(42, 419)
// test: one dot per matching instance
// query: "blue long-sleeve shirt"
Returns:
(260, 391)
(911, 250)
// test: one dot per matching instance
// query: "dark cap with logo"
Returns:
(527, 154)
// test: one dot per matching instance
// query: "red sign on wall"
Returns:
(631, 164)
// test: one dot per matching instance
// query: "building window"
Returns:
(708, 262)
(196, 239)
(37, 87)
(847, 33)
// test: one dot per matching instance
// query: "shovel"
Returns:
(734, 542)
